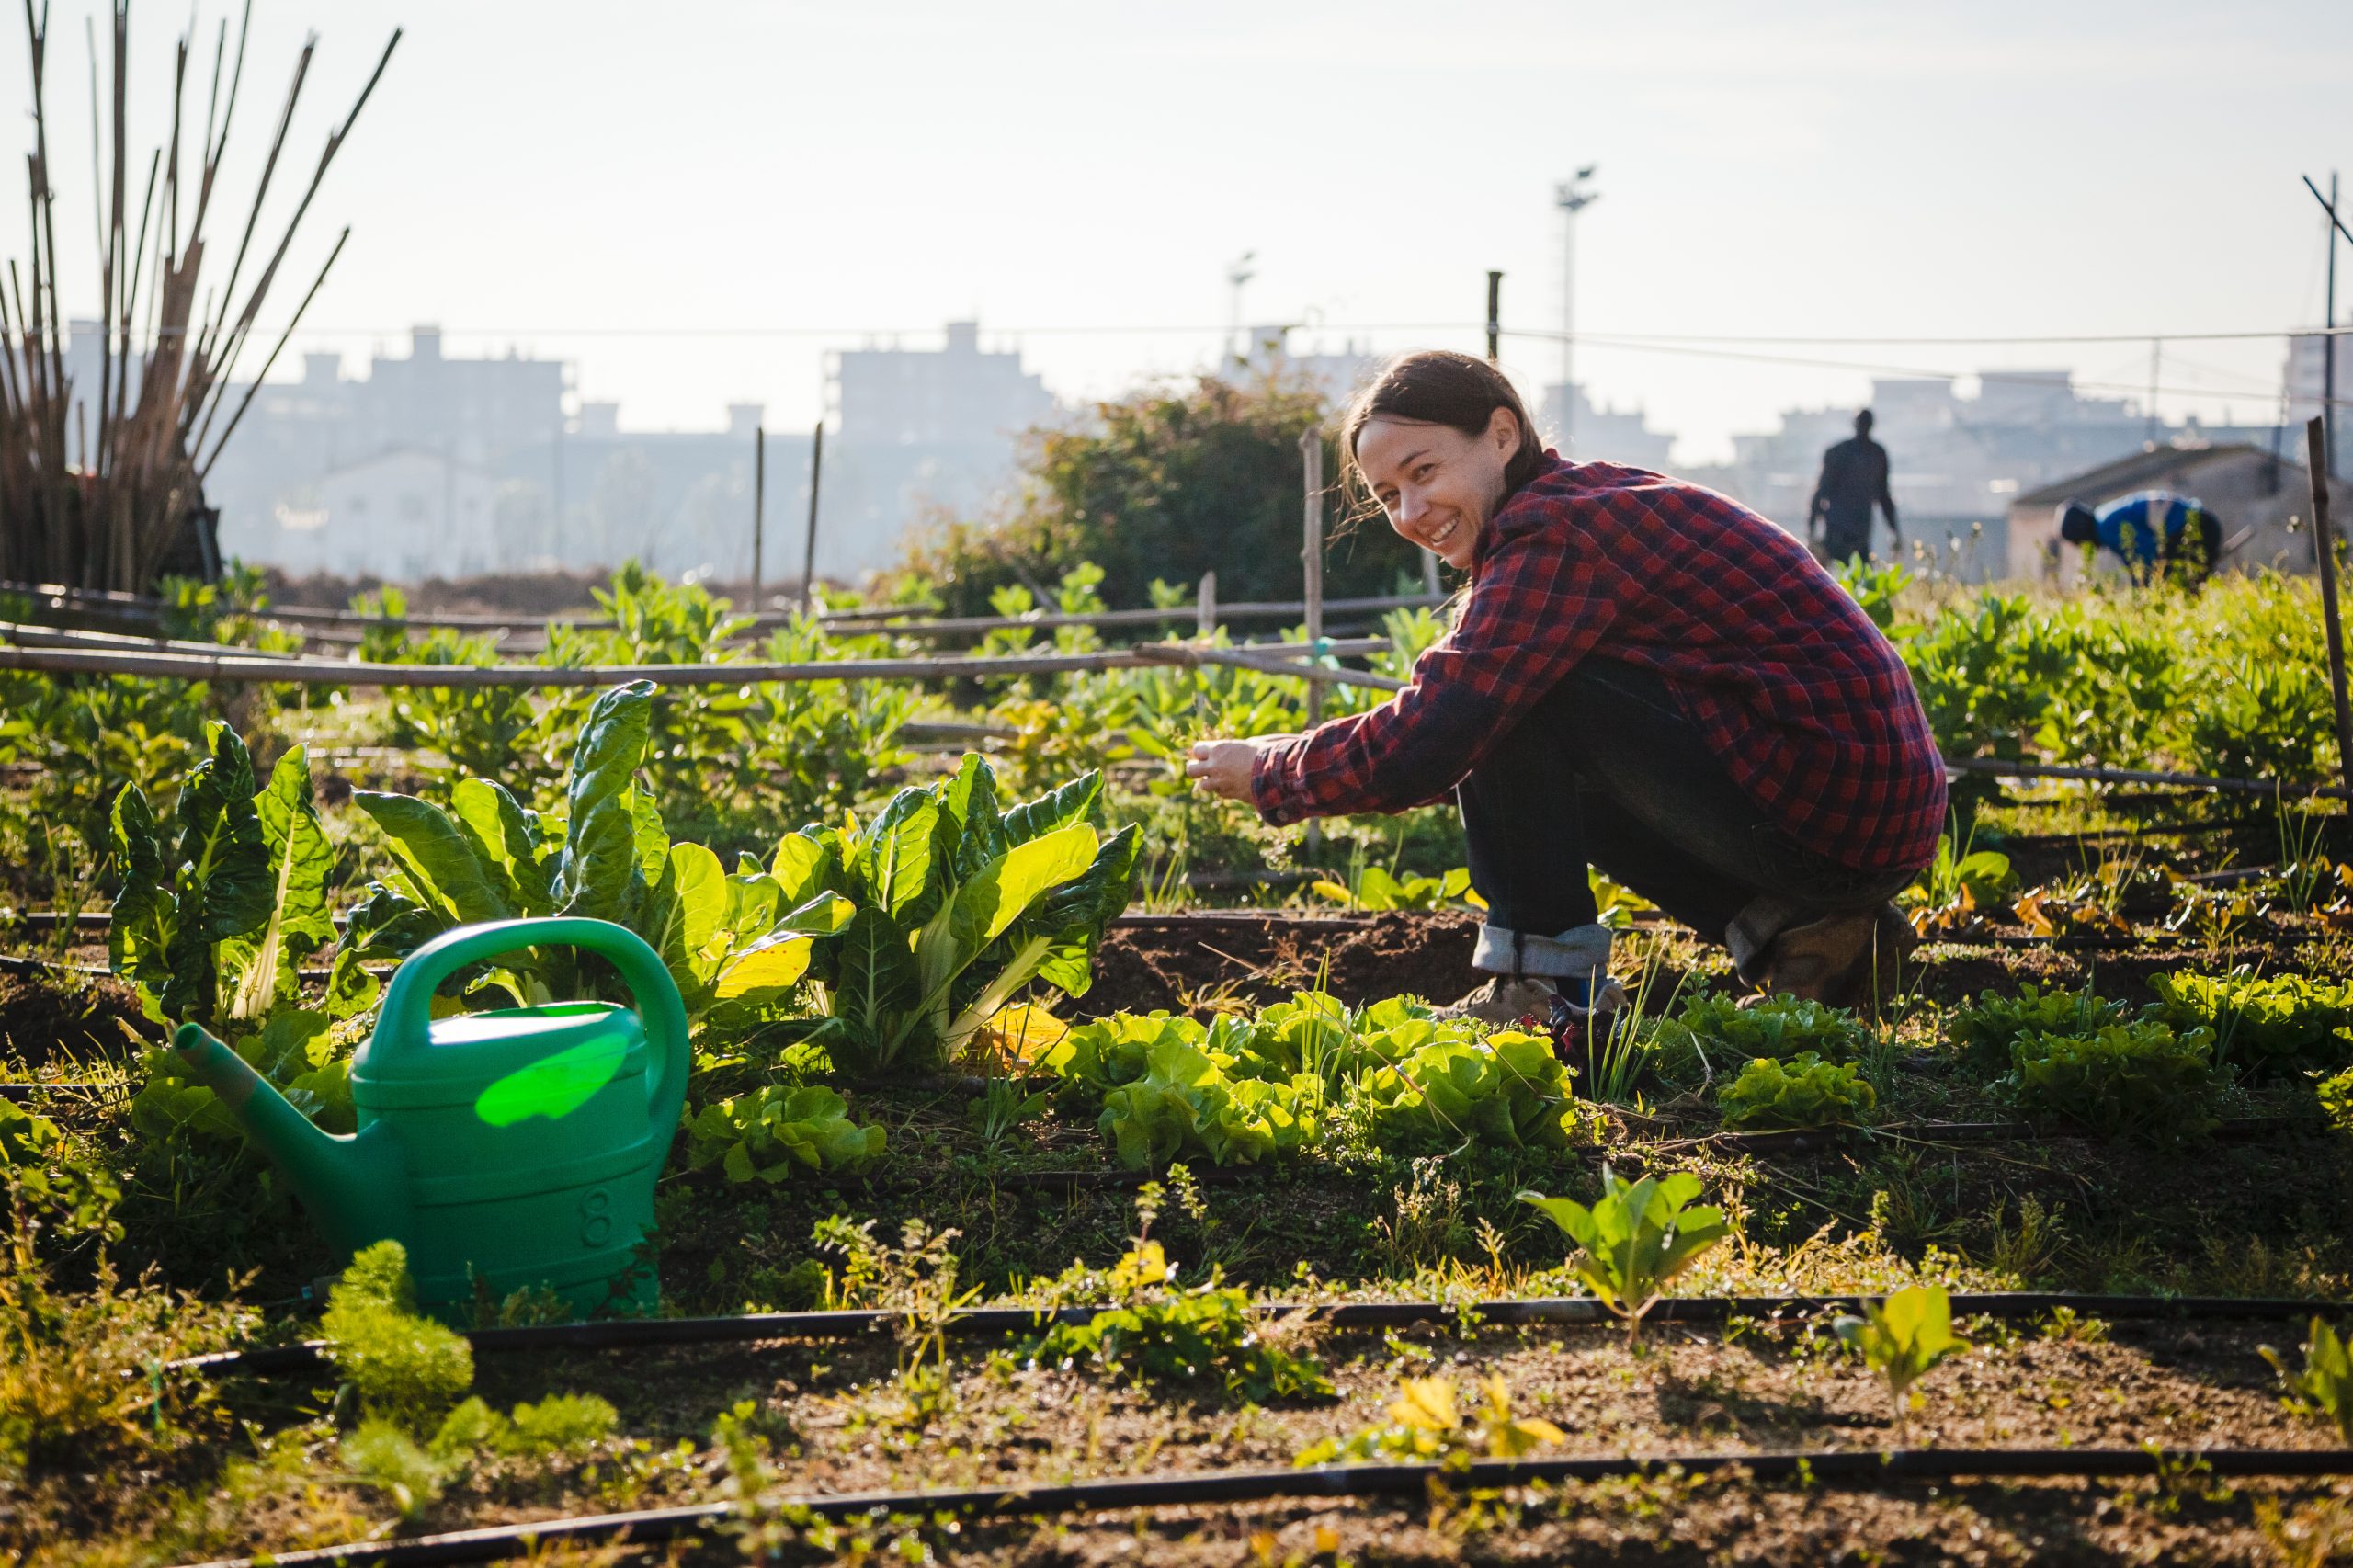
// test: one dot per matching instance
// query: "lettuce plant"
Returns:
(1987, 1029)
(1509, 1088)
(775, 1130)
(958, 905)
(1184, 1102)
(1805, 1091)
(2267, 1024)
(1713, 1032)
(2140, 1081)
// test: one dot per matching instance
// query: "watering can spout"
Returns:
(351, 1185)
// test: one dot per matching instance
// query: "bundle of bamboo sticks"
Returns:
(105, 492)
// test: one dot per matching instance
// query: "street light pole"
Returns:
(1571, 196)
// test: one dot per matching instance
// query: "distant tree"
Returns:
(1169, 482)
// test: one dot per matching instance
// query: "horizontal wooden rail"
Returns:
(277, 670)
(2000, 769)
(915, 622)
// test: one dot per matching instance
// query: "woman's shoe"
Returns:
(1846, 960)
(1504, 1000)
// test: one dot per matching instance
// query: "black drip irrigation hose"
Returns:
(1839, 1467)
(1537, 1311)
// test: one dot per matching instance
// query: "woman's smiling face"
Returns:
(1438, 485)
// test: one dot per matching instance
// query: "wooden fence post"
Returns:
(2325, 539)
(1205, 608)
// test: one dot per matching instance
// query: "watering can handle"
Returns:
(408, 1001)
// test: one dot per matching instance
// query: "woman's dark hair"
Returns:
(1436, 386)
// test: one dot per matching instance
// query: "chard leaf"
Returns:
(434, 854)
(145, 910)
(682, 915)
(598, 874)
(875, 993)
(1055, 809)
(499, 831)
(970, 801)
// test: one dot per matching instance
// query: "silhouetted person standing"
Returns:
(1854, 480)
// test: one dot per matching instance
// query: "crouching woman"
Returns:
(1646, 677)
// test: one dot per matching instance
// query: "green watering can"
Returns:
(518, 1147)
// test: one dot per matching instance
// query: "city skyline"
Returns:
(790, 177)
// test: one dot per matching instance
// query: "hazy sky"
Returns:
(694, 201)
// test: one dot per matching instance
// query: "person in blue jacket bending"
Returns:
(2152, 531)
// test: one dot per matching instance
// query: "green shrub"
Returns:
(1805, 1092)
(1987, 1030)
(2140, 1081)
(1713, 1032)
(2265, 1026)
(405, 1370)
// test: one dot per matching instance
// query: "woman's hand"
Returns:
(1224, 767)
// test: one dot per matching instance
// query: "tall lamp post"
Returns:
(1241, 272)
(1571, 196)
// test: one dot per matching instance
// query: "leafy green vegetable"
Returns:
(774, 1130)
(959, 906)
(1987, 1030)
(2268, 1024)
(1903, 1338)
(1425, 1422)
(238, 891)
(1636, 1239)
(1713, 1032)
(1509, 1088)
(1806, 1091)
(735, 946)
(2325, 1387)
(1376, 889)
(2140, 1081)
(2336, 1096)
(1184, 1103)
(1157, 1332)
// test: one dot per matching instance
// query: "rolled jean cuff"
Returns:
(1574, 954)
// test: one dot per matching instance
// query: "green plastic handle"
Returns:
(408, 1002)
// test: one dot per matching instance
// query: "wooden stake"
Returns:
(2325, 539)
(809, 552)
(1310, 471)
(1205, 608)
(1495, 317)
(759, 505)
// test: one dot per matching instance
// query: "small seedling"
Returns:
(1426, 1421)
(1636, 1239)
(1902, 1338)
(2324, 1387)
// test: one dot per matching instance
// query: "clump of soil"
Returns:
(1178, 962)
(66, 1018)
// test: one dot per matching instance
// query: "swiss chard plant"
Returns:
(735, 946)
(1375, 889)
(1636, 1238)
(958, 904)
(1903, 1338)
(2325, 1387)
(215, 915)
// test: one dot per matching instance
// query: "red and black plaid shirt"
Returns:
(1810, 707)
